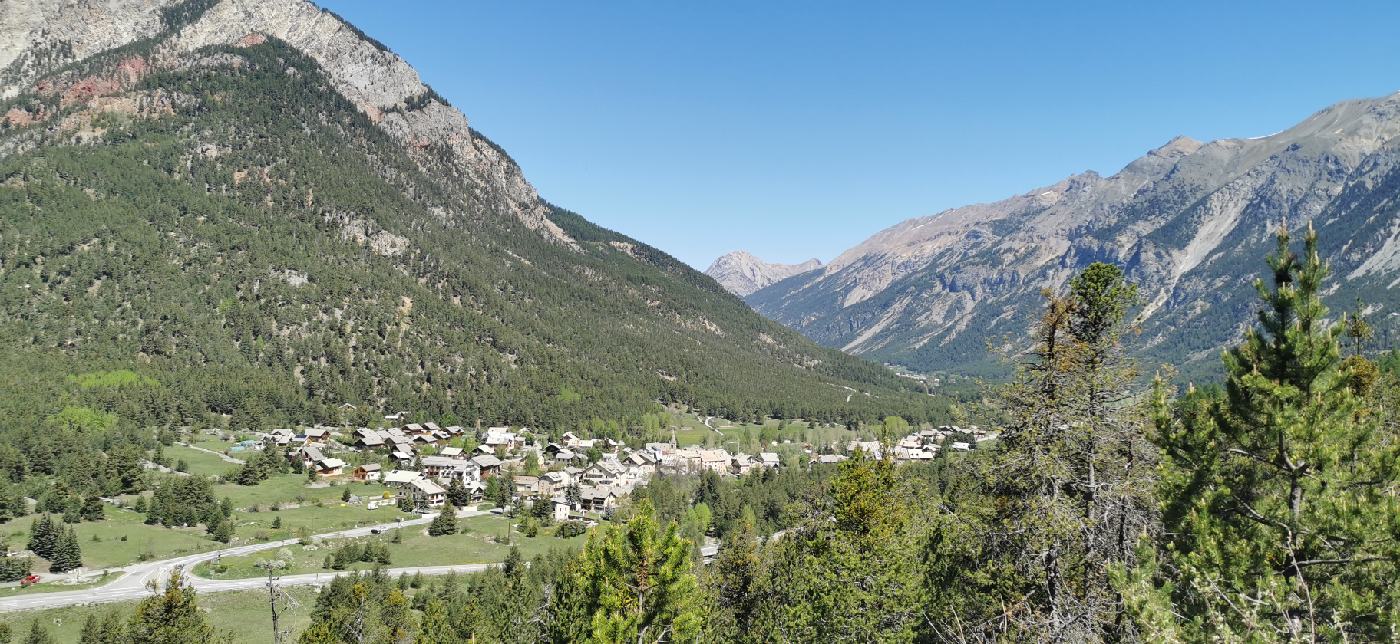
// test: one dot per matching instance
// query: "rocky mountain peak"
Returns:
(40, 36)
(741, 273)
(1179, 146)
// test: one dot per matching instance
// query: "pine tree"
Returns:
(172, 617)
(1065, 493)
(445, 522)
(1279, 491)
(638, 583)
(436, 625)
(733, 577)
(222, 531)
(38, 635)
(844, 575)
(109, 629)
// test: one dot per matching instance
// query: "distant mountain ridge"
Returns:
(741, 273)
(1190, 222)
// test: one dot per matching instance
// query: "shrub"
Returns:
(570, 529)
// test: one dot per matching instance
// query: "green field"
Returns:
(110, 551)
(753, 438)
(197, 462)
(319, 510)
(242, 613)
(473, 543)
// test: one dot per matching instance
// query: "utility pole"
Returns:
(272, 567)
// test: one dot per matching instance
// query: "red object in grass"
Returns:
(29, 581)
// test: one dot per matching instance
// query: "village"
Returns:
(421, 461)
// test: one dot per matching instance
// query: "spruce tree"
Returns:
(445, 522)
(43, 537)
(67, 552)
(38, 634)
(109, 629)
(1280, 489)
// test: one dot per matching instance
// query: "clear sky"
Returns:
(797, 129)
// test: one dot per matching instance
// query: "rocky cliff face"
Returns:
(741, 273)
(1190, 221)
(41, 36)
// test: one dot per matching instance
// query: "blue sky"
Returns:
(797, 129)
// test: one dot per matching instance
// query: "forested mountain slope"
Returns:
(1187, 222)
(267, 214)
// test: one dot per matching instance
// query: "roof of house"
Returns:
(714, 456)
(427, 487)
(401, 476)
(451, 451)
(442, 461)
(370, 467)
(486, 460)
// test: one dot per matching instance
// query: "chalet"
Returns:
(432, 427)
(454, 430)
(828, 459)
(642, 462)
(308, 455)
(527, 487)
(769, 459)
(401, 478)
(870, 448)
(602, 473)
(317, 435)
(561, 509)
(329, 466)
(444, 468)
(960, 446)
(413, 429)
(742, 464)
(367, 472)
(501, 437)
(451, 452)
(714, 460)
(425, 494)
(598, 498)
(556, 480)
(488, 464)
(366, 438)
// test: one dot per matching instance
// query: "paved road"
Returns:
(131, 584)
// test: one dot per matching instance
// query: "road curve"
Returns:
(132, 582)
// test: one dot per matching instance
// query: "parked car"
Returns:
(375, 531)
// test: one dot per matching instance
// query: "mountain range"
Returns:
(269, 213)
(741, 273)
(1190, 222)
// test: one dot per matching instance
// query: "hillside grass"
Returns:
(475, 542)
